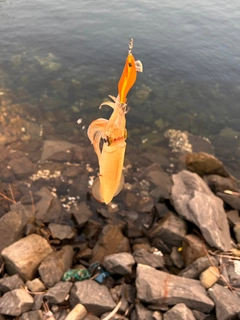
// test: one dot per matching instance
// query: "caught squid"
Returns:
(113, 135)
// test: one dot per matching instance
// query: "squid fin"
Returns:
(121, 183)
(95, 133)
(96, 190)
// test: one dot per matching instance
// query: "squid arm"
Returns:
(96, 132)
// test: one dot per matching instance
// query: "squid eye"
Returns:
(106, 140)
(130, 65)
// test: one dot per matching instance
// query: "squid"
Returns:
(112, 133)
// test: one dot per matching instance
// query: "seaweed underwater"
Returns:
(112, 133)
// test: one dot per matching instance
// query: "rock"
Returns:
(231, 199)
(236, 230)
(32, 315)
(12, 225)
(24, 256)
(62, 156)
(54, 265)
(10, 283)
(141, 312)
(194, 269)
(192, 248)
(233, 217)
(91, 229)
(58, 292)
(232, 269)
(177, 258)
(189, 195)
(119, 263)
(15, 302)
(77, 313)
(81, 214)
(61, 231)
(96, 298)
(51, 147)
(209, 277)
(180, 311)
(170, 229)
(204, 163)
(155, 286)
(219, 184)
(38, 301)
(21, 167)
(226, 302)
(111, 240)
(154, 259)
(35, 285)
(49, 208)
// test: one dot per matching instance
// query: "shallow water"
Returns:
(63, 58)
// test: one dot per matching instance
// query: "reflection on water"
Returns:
(59, 61)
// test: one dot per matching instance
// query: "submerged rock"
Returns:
(190, 195)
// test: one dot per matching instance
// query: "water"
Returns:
(190, 51)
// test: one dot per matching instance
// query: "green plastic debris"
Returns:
(76, 275)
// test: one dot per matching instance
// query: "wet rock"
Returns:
(111, 240)
(96, 298)
(35, 285)
(218, 184)
(49, 208)
(81, 214)
(231, 199)
(119, 263)
(154, 259)
(11, 229)
(24, 256)
(158, 286)
(62, 156)
(52, 147)
(91, 229)
(21, 167)
(170, 229)
(233, 217)
(209, 277)
(204, 163)
(77, 313)
(32, 315)
(10, 283)
(15, 302)
(54, 265)
(177, 258)
(61, 231)
(192, 248)
(180, 311)
(58, 292)
(194, 269)
(132, 231)
(189, 195)
(226, 302)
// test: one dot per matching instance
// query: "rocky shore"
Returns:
(168, 248)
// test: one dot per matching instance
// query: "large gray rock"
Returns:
(95, 297)
(15, 302)
(155, 286)
(24, 256)
(226, 303)
(51, 147)
(61, 231)
(180, 312)
(54, 265)
(119, 263)
(32, 315)
(194, 201)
